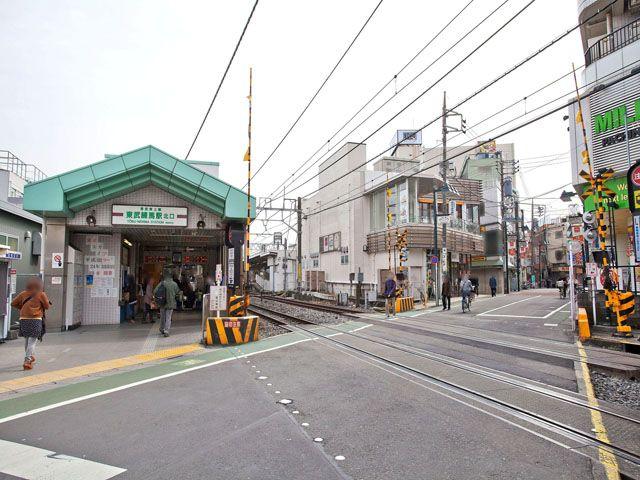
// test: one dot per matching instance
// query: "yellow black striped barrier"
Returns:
(231, 330)
(237, 306)
(404, 303)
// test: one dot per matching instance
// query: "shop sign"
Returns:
(633, 190)
(615, 118)
(330, 243)
(11, 255)
(636, 236)
(619, 186)
(443, 256)
(148, 215)
(592, 269)
(231, 275)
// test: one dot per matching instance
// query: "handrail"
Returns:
(616, 40)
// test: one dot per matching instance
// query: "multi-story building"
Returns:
(20, 234)
(351, 224)
(611, 42)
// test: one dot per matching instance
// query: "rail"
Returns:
(616, 40)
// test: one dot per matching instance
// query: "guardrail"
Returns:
(614, 41)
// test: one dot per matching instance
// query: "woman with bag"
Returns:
(32, 303)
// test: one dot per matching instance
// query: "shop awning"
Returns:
(70, 192)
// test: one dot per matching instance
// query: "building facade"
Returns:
(351, 225)
(611, 42)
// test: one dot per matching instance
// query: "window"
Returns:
(9, 240)
(344, 259)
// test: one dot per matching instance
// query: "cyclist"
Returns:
(466, 290)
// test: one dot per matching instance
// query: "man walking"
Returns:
(493, 285)
(446, 294)
(390, 296)
(165, 295)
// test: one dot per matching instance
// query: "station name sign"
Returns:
(616, 118)
(149, 215)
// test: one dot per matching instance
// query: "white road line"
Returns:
(550, 324)
(556, 310)
(32, 463)
(511, 316)
(508, 305)
(66, 350)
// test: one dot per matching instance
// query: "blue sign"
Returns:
(89, 280)
(434, 259)
(10, 255)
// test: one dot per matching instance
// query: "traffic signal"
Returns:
(588, 226)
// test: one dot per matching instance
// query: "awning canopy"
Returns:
(70, 192)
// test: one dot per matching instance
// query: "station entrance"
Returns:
(114, 226)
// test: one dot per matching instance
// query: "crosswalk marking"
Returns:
(31, 463)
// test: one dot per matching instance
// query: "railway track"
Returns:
(629, 458)
(348, 312)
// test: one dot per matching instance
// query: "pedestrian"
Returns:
(149, 307)
(165, 295)
(430, 289)
(390, 296)
(446, 294)
(32, 303)
(493, 285)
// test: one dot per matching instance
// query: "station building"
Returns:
(611, 42)
(138, 213)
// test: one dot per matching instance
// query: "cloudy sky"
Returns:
(83, 78)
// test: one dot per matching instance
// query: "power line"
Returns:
(391, 80)
(477, 92)
(507, 132)
(442, 55)
(224, 75)
(319, 89)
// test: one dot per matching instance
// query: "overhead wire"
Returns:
(344, 54)
(507, 132)
(224, 75)
(442, 55)
(375, 95)
(503, 75)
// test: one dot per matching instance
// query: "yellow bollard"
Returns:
(583, 325)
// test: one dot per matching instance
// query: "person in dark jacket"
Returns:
(493, 285)
(390, 296)
(446, 294)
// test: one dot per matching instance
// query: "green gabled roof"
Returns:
(70, 192)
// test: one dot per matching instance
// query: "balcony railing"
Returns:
(455, 223)
(614, 41)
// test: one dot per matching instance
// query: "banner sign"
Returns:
(619, 186)
(633, 187)
(148, 215)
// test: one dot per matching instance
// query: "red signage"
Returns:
(635, 176)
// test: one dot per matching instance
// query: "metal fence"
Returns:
(614, 41)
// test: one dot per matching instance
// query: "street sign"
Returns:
(633, 186)
(218, 274)
(231, 277)
(218, 298)
(434, 259)
(443, 256)
(592, 269)
(57, 260)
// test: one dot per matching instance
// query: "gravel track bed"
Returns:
(270, 329)
(616, 390)
(315, 316)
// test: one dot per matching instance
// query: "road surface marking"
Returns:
(508, 305)
(556, 310)
(31, 463)
(607, 458)
(91, 368)
(24, 400)
(550, 324)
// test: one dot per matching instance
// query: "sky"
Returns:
(80, 79)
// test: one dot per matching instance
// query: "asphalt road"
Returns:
(374, 421)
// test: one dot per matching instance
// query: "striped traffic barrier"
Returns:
(237, 306)
(231, 330)
(404, 304)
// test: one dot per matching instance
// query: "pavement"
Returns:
(215, 413)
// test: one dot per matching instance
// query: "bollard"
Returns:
(583, 325)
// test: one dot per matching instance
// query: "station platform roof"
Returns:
(65, 194)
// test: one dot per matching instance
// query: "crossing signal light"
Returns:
(463, 125)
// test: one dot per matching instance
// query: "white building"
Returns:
(345, 234)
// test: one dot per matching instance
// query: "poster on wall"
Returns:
(57, 260)
(330, 243)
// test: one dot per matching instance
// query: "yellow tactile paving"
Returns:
(82, 370)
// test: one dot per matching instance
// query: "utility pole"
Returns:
(505, 249)
(299, 242)
(518, 243)
(445, 169)
(531, 243)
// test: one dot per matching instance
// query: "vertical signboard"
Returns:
(231, 277)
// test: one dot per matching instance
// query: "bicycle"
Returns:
(466, 303)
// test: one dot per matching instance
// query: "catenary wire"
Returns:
(224, 75)
(375, 95)
(335, 67)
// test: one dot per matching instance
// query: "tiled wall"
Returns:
(100, 310)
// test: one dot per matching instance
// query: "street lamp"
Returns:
(567, 196)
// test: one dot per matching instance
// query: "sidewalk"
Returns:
(91, 350)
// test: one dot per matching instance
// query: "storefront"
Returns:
(129, 218)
